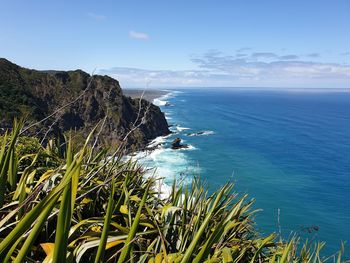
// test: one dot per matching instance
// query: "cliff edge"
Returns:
(37, 94)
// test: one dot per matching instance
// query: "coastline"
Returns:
(149, 95)
(155, 146)
(163, 163)
(247, 132)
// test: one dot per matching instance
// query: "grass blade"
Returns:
(127, 246)
(106, 225)
(35, 231)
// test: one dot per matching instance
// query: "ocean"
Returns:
(288, 149)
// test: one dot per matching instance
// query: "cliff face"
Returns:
(37, 94)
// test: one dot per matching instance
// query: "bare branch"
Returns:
(49, 129)
(62, 107)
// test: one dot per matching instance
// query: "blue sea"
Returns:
(288, 149)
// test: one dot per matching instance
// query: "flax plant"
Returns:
(89, 205)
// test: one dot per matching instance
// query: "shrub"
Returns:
(94, 207)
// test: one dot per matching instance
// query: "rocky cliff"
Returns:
(37, 94)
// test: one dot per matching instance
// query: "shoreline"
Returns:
(149, 95)
(158, 151)
(155, 146)
(157, 97)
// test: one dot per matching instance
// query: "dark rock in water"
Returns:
(310, 229)
(38, 94)
(167, 104)
(176, 144)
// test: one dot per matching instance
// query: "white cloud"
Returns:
(313, 55)
(96, 16)
(264, 55)
(267, 69)
(138, 35)
(262, 70)
(139, 77)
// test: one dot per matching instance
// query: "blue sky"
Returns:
(261, 43)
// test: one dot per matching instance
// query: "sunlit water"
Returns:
(290, 150)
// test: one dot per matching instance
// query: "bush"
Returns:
(93, 207)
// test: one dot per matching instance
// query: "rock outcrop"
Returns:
(37, 94)
(176, 144)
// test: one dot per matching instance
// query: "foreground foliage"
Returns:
(66, 205)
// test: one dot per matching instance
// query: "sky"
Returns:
(206, 43)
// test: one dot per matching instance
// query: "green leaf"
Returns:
(127, 246)
(106, 225)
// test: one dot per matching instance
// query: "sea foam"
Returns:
(180, 129)
(159, 102)
(168, 164)
(164, 163)
(163, 100)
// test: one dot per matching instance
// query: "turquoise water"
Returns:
(290, 150)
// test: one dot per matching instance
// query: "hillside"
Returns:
(37, 94)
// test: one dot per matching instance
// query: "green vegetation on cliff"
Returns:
(83, 205)
(38, 94)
